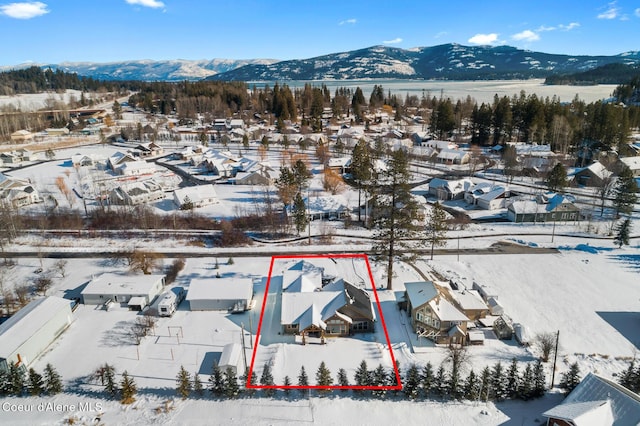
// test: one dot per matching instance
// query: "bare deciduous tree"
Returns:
(545, 342)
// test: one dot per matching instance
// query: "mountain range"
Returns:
(447, 62)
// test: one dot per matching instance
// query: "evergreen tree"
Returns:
(629, 379)
(5, 383)
(512, 380)
(253, 381)
(498, 382)
(526, 384)
(623, 231)
(625, 192)
(436, 227)
(109, 380)
(323, 376)
(183, 382)
(128, 389)
(361, 168)
(286, 186)
(362, 376)
(396, 217)
(231, 387)
(299, 212)
(471, 391)
(16, 379)
(287, 382)
(485, 384)
(343, 379)
(217, 381)
(36, 384)
(52, 380)
(440, 383)
(198, 388)
(266, 379)
(557, 178)
(427, 380)
(539, 380)
(570, 379)
(301, 174)
(454, 387)
(411, 386)
(303, 380)
(379, 378)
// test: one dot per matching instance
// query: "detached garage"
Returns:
(122, 289)
(26, 335)
(231, 357)
(220, 294)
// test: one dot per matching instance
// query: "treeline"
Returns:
(629, 93)
(17, 381)
(35, 80)
(606, 74)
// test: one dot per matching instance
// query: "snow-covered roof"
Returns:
(137, 166)
(420, 292)
(632, 162)
(27, 321)
(231, 288)
(494, 193)
(137, 301)
(597, 169)
(339, 162)
(109, 283)
(597, 400)
(296, 305)
(469, 299)
(312, 277)
(196, 194)
(446, 311)
(230, 356)
(453, 186)
(452, 154)
(328, 204)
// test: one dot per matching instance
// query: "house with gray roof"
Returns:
(597, 401)
(432, 315)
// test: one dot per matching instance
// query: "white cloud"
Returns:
(543, 28)
(570, 26)
(484, 38)
(147, 3)
(611, 12)
(351, 21)
(637, 12)
(24, 10)
(526, 35)
(394, 41)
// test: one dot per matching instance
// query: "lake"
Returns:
(481, 91)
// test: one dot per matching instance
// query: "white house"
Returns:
(17, 193)
(136, 168)
(26, 335)
(220, 294)
(449, 189)
(199, 196)
(135, 193)
(122, 288)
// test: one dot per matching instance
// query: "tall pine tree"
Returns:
(216, 382)
(52, 380)
(266, 379)
(128, 389)
(183, 383)
(396, 215)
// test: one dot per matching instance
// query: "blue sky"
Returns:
(53, 31)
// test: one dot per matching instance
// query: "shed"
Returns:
(26, 335)
(220, 294)
(137, 303)
(122, 288)
(231, 357)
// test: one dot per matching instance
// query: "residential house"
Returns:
(197, 196)
(549, 207)
(31, 330)
(119, 159)
(220, 294)
(63, 131)
(328, 207)
(487, 196)
(122, 289)
(470, 303)
(315, 306)
(593, 175)
(17, 193)
(136, 168)
(340, 165)
(449, 189)
(21, 136)
(596, 401)
(149, 149)
(18, 156)
(453, 156)
(632, 162)
(136, 193)
(432, 315)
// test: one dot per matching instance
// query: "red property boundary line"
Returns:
(398, 386)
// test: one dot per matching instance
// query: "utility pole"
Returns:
(244, 355)
(555, 358)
